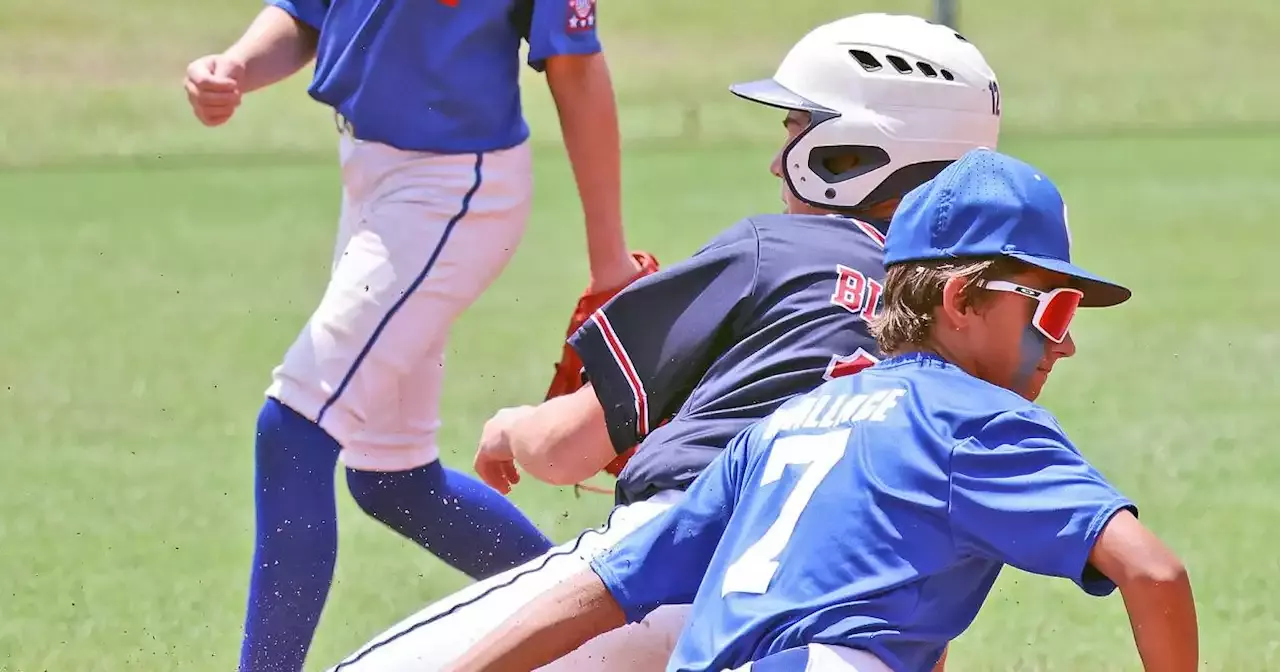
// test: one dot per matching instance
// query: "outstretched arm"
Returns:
(643, 352)
(1156, 591)
(1022, 494)
(548, 628)
(561, 442)
(663, 561)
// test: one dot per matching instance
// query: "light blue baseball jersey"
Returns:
(875, 512)
(437, 75)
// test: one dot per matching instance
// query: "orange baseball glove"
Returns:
(568, 371)
(568, 375)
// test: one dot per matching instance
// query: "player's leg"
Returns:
(296, 525)
(462, 521)
(296, 538)
(386, 407)
(396, 286)
(443, 631)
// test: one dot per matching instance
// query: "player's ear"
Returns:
(957, 307)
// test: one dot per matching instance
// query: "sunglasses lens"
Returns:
(1055, 319)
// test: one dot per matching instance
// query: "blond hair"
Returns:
(913, 290)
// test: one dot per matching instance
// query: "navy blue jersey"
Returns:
(875, 512)
(767, 310)
(437, 75)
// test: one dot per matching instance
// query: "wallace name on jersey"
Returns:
(822, 412)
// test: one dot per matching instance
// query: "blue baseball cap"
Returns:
(989, 204)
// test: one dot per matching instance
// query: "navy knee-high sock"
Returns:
(296, 539)
(462, 521)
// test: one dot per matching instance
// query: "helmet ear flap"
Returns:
(822, 160)
(792, 171)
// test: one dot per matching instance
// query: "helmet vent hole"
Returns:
(900, 64)
(960, 37)
(926, 69)
(866, 60)
(948, 76)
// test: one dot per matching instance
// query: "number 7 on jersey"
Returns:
(818, 454)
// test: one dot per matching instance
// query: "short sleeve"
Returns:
(664, 560)
(646, 348)
(310, 12)
(1021, 494)
(558, 28)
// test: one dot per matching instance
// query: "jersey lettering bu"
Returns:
(875, 512)
(685, 359)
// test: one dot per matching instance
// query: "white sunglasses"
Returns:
(1054, 308)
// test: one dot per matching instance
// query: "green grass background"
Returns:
(152, 272)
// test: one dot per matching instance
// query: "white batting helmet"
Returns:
(905, 96)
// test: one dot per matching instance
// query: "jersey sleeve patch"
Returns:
(582, 15)
(560, 28)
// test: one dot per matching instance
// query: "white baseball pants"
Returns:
(442, 632)
(420, 238)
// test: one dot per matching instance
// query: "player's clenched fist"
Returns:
(213, 88)
(495, 464)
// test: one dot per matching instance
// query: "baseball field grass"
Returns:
(153, 271)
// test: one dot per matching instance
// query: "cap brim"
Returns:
(1098, 291)
(768, 92)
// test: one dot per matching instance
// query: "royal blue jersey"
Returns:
(437, 75)
(875, 512)
(767, 310)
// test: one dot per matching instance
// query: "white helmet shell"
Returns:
(902, 94)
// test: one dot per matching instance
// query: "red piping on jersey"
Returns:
(628, 369)
(870, 231)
